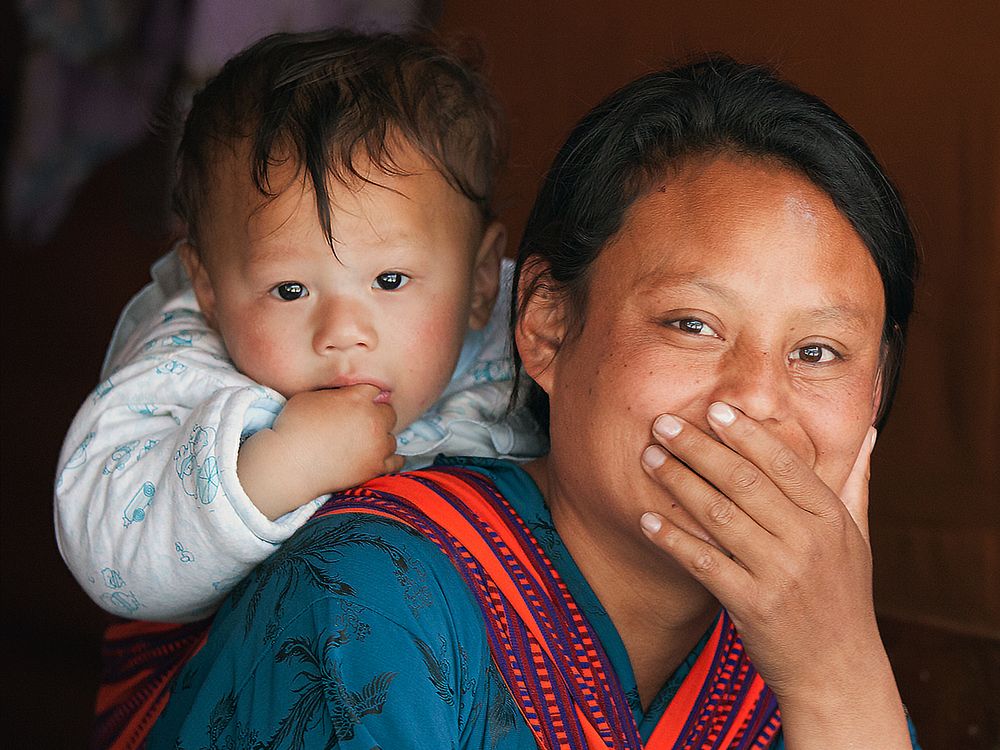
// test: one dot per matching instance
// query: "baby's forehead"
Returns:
(232, 175)
(405, 202)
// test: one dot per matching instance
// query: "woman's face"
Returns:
(734, 280)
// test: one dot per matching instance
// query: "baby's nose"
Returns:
(343, 324)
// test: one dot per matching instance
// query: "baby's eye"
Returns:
(390, 281)
(290, 291)
(815, 354)
(693, 325)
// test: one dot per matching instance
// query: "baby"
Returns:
(330, 314)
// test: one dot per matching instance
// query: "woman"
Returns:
(714, 289)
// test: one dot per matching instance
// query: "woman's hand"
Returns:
(790, 560)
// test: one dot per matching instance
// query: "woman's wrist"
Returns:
(858, 708)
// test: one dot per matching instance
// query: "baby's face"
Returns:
(413, 271)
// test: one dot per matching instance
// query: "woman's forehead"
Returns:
(742, 225)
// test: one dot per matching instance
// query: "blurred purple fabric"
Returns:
(98, 70)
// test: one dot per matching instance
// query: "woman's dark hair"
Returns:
(323, 100)
(632, 138)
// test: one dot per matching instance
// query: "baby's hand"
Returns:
(321, 442)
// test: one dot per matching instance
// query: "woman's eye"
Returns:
(290, 290)
(814, 354)
(695, 326)
(390, 281)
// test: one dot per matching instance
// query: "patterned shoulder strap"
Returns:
(722, 703)
(544, 648)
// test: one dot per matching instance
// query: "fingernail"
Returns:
(666, 426)
(721, 413)
(654, 457)
(651, 523)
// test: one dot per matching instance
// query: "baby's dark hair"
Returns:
(323, 100)
(649, 127)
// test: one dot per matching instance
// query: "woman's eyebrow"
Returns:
(686, 280)
(850, 316)
(844, 315)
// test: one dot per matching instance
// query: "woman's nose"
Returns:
(755, 380)
(342, 324)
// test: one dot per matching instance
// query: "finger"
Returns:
(734, 476)
(393, 464)
(709, 514)
(367, 391)
(389, 445)
(726, 579)
(855, 491)
(386, 416)
(779, 463)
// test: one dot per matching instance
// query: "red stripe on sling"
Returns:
(139, 661)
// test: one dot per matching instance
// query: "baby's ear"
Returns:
(541, 322)
(200, 280)
(486, 274)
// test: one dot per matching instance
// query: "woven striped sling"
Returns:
(547, 653)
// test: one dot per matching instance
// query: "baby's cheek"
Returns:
(432, 350)
(269, 362)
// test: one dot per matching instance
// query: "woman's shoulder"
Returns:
(365, 560)
(358, 607)
(363, 557)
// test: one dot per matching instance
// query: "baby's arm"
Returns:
(150, 515)
(321, 442)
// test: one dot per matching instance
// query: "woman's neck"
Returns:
(659, 611)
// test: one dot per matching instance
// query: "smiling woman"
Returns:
(714, 289)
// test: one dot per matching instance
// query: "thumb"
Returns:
(855, 492)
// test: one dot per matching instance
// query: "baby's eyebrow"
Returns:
(264, 252)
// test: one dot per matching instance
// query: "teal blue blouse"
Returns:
(360, 633)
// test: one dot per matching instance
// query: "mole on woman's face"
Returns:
(741, 282)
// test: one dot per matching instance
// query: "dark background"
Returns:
(918, 79)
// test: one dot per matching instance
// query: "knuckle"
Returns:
(704, 563)
(721, 511)
(784, 462)
(771, 603)
(745, 477)
(374, 432)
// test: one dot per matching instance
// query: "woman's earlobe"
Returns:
(541, 328)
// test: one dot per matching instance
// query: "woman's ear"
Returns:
(878, 387)
(877, 392)
(486, 274)
(541, 326)
(200, 280)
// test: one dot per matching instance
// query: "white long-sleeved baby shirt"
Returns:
(150, 516)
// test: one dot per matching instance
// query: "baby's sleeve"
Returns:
(150, 516)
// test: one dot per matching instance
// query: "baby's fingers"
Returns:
(393, 464)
